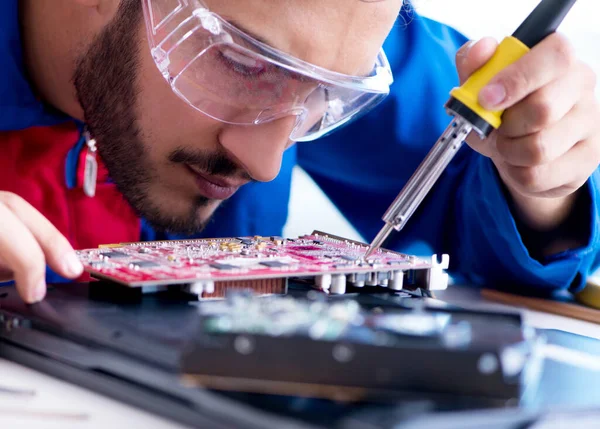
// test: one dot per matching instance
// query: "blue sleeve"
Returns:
(363, 166)
(20, 107)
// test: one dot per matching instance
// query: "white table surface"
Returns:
(85, 409)
(61, 405)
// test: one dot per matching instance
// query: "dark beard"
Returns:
(105, 80)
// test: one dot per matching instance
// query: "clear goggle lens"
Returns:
(233, 78)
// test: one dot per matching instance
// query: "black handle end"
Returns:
(543, 21)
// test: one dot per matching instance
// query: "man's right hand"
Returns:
(28, 241)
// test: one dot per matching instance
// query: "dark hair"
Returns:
(130, 10)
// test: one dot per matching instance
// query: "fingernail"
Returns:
(73, 265)
(38, 293)
(492, 95)
(470, 45)
(464, 53)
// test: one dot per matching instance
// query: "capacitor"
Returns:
(235, 247)
(323, 281)
(338, 284)
(202, 286)
(397, 280)
(261, 246)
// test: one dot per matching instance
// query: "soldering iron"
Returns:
(468, 114)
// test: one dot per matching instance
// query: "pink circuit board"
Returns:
(245, 258)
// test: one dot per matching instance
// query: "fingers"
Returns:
(25, 228)
(486, 147)
(551, 142)
(550, 104)
(557, 178)
(473, 55)
(550, 59)
(20, 251)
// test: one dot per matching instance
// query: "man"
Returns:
(194, 122)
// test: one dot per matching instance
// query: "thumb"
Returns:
(474, 55)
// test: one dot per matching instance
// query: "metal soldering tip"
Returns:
(369, 252)
(379, 239)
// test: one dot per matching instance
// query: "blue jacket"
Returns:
(363, 166)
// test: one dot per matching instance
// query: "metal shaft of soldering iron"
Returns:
(422, 180)
(542, 22)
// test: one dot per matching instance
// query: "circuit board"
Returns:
(331, 261)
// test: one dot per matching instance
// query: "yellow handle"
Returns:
(590, 296)
(508, 52)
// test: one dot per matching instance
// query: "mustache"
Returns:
(213, 163)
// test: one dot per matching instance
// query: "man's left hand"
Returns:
(549, 141)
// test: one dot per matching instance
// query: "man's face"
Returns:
(172, 163)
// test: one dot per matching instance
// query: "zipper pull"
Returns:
(90, 173)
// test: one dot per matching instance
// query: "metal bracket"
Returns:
(437, 278)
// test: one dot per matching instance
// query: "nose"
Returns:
(259, 148)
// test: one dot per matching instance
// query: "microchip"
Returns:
(114, 254)
(219, 266)
(274, 238)
(247, 242)
(144, 264)
(317, 242)
(274, 264)
(348, 258)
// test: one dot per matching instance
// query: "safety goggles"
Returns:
(233, 78)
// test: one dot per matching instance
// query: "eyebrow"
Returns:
(262, 39)
(248, 32)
